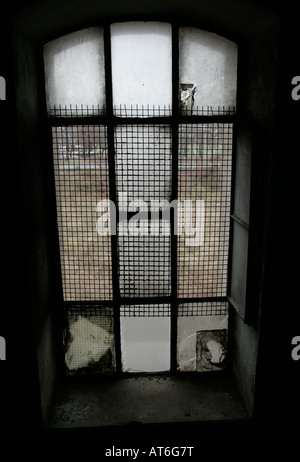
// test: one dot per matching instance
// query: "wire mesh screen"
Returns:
(208, 308)
(204, 175)
(146, 310)
(89, 339)
(75, 111)
(81, 181)
(143, 163)
(143, 179)
(189, 109)
(142, 111)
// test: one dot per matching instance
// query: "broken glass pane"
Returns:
(141, 68)
(197, 324)
(89, 341)
(145, 338)
(74, 70)
(211, 350)
(207, 72)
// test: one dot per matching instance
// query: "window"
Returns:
(142, 117)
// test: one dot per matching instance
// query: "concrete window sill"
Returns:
(153, 399)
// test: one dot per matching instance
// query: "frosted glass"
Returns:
(141, 67)
(207, 70)
(74, 69)
(145, 344)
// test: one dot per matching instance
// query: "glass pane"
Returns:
(74, 69)
(145, 338)
(199, 323)
(89, 340)
(204, 191)
(141, 68)
(81, 181)
(143, 179)
(207, 72)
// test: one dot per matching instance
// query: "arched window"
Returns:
(142, 117)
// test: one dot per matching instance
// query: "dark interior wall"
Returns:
(278, 375)
(255, 135)
(255, 29)
(30, 131)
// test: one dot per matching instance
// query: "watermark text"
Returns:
(2, 88)
(2, 349)
(138, 217)
(296, 348)
(296, 88)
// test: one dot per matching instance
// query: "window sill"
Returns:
(153, 399)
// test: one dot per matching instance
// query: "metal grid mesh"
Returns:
(89, 339)
(214, 308)
(143, 175)
(204, 173)
(142, 111)
(137, 111)
(208, 111)
(81, 181)
(88, 310)
(146, 310)
(76, 111)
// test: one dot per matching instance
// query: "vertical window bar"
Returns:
(175, 109)
(112, 193)
(232, 198)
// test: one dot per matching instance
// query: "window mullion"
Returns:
(175, 116)
(112, 193)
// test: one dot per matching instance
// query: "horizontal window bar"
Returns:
(105, 120)
(94, 303)
(143, 300)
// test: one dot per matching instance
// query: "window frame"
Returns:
(110, 121)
